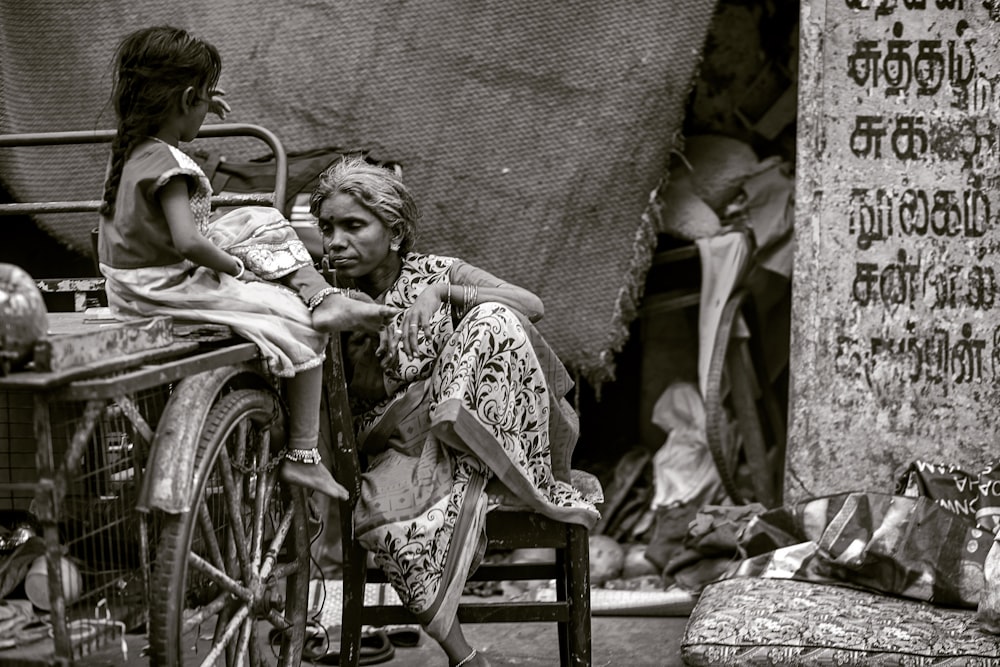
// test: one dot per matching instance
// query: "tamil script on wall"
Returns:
(902, 258)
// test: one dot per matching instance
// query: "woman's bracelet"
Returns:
(470, 295)
(319, 296)
(240, 268)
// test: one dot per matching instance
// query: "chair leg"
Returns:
(355, 571)
(562, 595)
(578, 565)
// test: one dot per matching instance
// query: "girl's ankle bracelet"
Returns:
(301, 455)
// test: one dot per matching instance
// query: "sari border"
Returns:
(399, 406)
(468, 526)
(451, 422)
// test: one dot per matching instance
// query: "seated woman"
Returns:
(458, 389)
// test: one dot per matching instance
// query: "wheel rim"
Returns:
(247, 556)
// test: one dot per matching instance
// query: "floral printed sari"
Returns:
(480, 401)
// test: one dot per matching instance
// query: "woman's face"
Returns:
(355, 240)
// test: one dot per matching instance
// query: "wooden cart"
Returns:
(148, 472)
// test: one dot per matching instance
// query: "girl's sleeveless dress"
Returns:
(270, 315)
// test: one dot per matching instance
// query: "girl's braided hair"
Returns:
(153, 67)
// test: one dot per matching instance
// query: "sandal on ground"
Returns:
(316, 639)
(403, 636)
(375, 648)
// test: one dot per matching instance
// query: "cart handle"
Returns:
(218, 130)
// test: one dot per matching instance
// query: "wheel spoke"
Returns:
(244, 437)
(282, 570)
(258, 654)
(240, 450)
(204, 612)
(243, 643)
(233, 507)
(263, 496)
(220, 577)
(220, 623)
(279, 538)
(277, 619)
(232, 627)
(208, 534)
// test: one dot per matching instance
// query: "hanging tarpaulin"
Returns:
(532, 132)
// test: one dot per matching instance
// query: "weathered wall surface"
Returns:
(896, 331)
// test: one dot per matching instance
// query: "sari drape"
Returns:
(475, 404)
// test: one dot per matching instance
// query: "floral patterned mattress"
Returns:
(756, 621)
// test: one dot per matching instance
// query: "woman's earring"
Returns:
(394, 245)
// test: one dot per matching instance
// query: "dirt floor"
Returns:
(617, 641)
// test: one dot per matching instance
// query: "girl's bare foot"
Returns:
(339, 313)
(314, 476)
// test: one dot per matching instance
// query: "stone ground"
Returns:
(617, 641)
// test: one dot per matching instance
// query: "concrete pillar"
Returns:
(896, 292)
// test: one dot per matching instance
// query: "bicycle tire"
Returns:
(716, 417)
(194, 575)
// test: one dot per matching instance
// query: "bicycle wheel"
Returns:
(234, 570)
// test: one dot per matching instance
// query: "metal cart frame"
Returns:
(202, 480)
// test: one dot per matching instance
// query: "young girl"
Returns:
(161, 255)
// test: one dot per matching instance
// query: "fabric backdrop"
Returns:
(533, 132)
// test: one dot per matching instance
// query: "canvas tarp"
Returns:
(533, 132)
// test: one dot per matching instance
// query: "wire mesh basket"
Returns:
(71, 474)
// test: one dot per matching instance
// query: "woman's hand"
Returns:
(217, 105)
(249, 276)
(417, 318)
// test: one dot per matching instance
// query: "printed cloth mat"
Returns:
(533, 133)
(749, 621)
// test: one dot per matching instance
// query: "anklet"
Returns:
(302, 455)
(467, 659)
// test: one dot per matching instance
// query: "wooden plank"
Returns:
(38, 381)
(162, 372)
(81, 344)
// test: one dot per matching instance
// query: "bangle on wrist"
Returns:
(319, 296)
(240, 268)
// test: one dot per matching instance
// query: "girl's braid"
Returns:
(124, 140)
(153, 66)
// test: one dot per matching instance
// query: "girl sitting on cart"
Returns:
(162, 255)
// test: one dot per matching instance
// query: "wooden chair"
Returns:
(506, 529)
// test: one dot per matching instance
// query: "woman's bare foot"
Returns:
(313, 476)
(339, 313)
(458, 649)
(478, 660)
